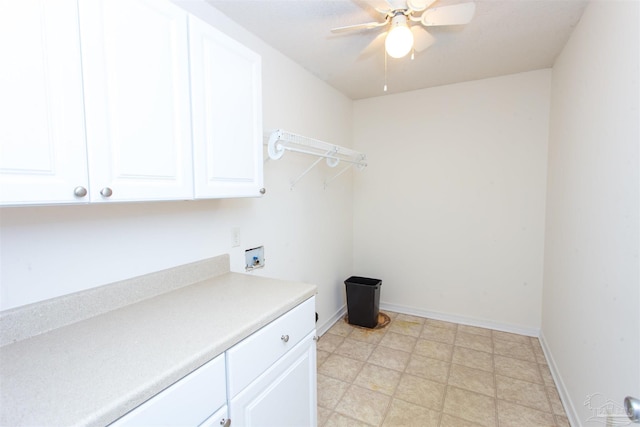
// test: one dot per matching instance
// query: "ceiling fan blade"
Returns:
(366, 26)
(457, 14)
(421, 38)
(396, 4)
(419, 5)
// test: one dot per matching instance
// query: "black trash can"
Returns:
(363, 301)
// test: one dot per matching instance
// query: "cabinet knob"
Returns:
(225, 422)
(285, 338)
(79, 191)
(263, 190)
(106, 192)
(632, 406)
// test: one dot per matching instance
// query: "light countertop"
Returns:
(93, 371)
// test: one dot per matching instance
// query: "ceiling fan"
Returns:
(401, 38)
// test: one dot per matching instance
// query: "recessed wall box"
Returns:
(254, 258)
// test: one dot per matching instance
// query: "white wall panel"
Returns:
(590, 319)
(450, 212)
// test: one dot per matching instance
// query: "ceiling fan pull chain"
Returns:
(385, 70)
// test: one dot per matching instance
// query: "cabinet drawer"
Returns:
(252, 356)
(188, 402)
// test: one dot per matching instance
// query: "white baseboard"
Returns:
(327, 324)
(569, 408)
(531, 332)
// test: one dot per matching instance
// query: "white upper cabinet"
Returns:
(136, 84)
(124, 100)
(42, 139)
(226, 90)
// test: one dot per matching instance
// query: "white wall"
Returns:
(450, 212)
(591, 298)
(49, 251)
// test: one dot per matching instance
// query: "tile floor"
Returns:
(424, 372)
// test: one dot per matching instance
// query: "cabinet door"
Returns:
(42, 142)
(136, 83)
(284, 395)
(227, 114)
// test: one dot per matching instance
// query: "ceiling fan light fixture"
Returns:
(399, 41)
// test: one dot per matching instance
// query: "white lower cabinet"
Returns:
(267, 379)
(285, 395)
(271, 375)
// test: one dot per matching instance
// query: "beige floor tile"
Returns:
(541, 359)
(355, 349)
(535, 343)
(323, 415)
(329, 342)
(379, 379)
(523, 393)
(472, 379)
(392, 314)
(546, 375)
(433, 350)
(410, 318)
(389, 358)
(431, 369)
(450, 421)
(473, 358)
(562, 421)
(339, 420)
(441, 324)
(420, 391)
(370, 336)
(537, 348)
(426, 372)
(470, 406)
(507, 336)
(341, 328)
(516, 368)
(475, 342)
(435, 333)
(399, 341)
(406, 414)
(330, 391)
(514, 349)
(554, 400)
(474, 330)
(341, 367)
(364, 405)
(512, 415)
(321, 356)
(406, 327)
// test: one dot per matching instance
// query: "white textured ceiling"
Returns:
(504, 37)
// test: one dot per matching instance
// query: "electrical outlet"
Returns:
(235, 237)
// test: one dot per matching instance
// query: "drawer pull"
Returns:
(285, 338)
(225, 422)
